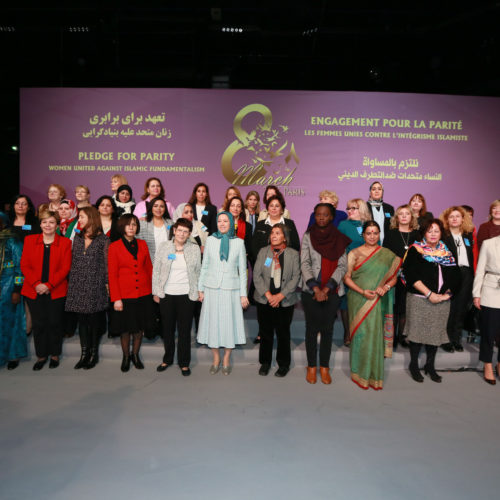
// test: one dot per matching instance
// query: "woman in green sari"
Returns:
(371, 275)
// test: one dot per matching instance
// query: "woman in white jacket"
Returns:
(486, 293)
(223, 292)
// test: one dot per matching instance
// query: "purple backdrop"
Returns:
(445, 147)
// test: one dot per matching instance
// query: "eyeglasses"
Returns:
(352, 208)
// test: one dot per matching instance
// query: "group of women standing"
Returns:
(128, 267)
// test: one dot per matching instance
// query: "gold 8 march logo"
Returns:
(262, 156)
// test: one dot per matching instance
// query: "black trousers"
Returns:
(273, 319)
(320, 317)
(177, 313)
(490, 332)
(48, 317)
(459, 305)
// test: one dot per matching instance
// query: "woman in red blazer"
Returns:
(129, 275)
(45, 264)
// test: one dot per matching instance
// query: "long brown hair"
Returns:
(192, 200)
(146, 186)
(94, 223)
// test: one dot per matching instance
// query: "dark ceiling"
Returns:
(306, 45)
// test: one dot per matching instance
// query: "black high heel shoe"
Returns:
(415, 374)
(432, 374)
(490, 380)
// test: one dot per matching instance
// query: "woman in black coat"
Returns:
(458, 238)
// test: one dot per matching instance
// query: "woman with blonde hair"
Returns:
(231, 192)
(117, 180)
(402, 234)
(82, 196)
(327, 196)
(458, 228)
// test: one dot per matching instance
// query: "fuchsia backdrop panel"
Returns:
(446, 147)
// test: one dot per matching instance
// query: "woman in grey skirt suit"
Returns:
(432, 276)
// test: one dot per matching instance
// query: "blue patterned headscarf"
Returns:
(225, 237)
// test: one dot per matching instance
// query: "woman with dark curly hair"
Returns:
(204, 210)
(107, 210)
(432, 277)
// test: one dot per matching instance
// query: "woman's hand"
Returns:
(477, 302)
(244, 302)
(41, 288)
(369, 294)
(381, 291)
(156, 299)
(319, 295)
(118, 306)
(437, 298)
(15, 298)
(201, 296)
(275, 300)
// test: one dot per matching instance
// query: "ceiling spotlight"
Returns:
(7, 28)
(14, 148)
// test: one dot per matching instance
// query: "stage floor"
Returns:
(101, 434)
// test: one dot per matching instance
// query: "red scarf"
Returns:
(241, 229)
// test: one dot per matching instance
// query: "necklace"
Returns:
(405, 241)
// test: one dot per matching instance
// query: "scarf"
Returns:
(225, 237)
(276, 266)
(440, 255)
(178, 214)
(131, 246)
(375, 204)
(329, 242)
(241, 229)
(63, 225)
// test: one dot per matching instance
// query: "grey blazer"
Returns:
(227, 275)
(147, 233)
(310, 265)
(162, 265)
(290, 275)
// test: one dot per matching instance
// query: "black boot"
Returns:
(429, 364)
(84, 344)
(414, 369)
(93, 359)
(125, 363)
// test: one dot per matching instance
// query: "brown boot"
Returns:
(311, 374)
(325, 374)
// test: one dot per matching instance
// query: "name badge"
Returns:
(360, 229)
(171, 256)
(387, 214)
(205, 212)
(26, 227)
(77, 230)
(144, 214)
(204, 228)
(467, 242)
(268, 262)
(169, 226)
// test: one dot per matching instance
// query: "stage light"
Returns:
(78, 29)
(14, 148)
(7, 28)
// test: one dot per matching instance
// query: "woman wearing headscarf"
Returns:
(381, 212)
(323, 264)
(68, 218)
(223, 291)
(124, 200)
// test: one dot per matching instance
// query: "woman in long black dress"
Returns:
(401, 235)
